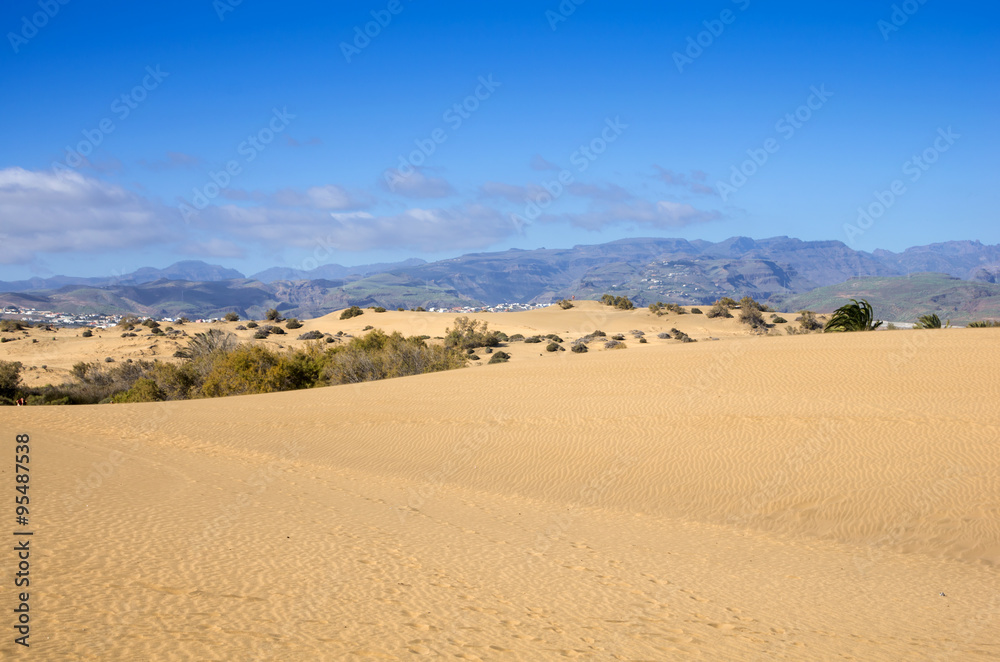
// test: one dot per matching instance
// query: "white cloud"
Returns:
(330, 196)
(62, 211)
(462, 227)
(661, 215)
(416, 184)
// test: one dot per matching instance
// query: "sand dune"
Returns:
(803, 498)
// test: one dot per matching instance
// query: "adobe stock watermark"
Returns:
(581, 158)
(714, 28)
(37, 21)
(122, 106)
(249, 149)
(786, 127)
(454, 117)
(913, 168)
(223, 7)
(565, 9)
(363, 35)
(901, 13)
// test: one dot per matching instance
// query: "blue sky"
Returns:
(458, 127)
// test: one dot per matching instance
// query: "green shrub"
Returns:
(251, 325)
(984, 324)
(622, 303)
(181, 320)
(470, 333)
(368, 327)
(261, 333)
(807, 320)
(696, 311)
(554, 347)
(553, 337)
(614, 344)
(499, 357)
(380, 356)
(10, 378)
(378, 309)
(311, 335)
(151, 323)
(618, 336)
(87, 333)
(144, 390)
(565, 304)
(579, 348)
(854, 316)
(293, 323)
(473, 357)
(533, 339)
(246, 369)
(719, 309)
(419, 309)
(231, 317)
(272, 315)
(750, 314)
(353, 311)
(778, 319)
(9, 326)
(642, 340)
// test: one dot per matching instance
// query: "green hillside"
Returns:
(905, 298)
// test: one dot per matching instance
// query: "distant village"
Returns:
(99, 321)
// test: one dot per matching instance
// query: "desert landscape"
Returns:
(820, 496)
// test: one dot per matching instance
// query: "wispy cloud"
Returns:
(292, 142)
(330, 197)
(173, 161)
(540, 163)
(661, 215)
(416, 185)
(672, 178)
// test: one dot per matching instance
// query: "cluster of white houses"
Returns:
(100, 321)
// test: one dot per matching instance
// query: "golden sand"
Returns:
(801, 498)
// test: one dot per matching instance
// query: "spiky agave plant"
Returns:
(854, 316)
(928, 322)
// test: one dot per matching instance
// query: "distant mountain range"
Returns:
(647, 270)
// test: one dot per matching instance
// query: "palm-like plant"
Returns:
(854, 316)
(929, 322)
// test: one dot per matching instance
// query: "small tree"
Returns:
(232, 317)
(272, 315)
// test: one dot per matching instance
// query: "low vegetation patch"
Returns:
(468, 334)
(353, 311)
(565, 304)
(622, 303)
(499, 357)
